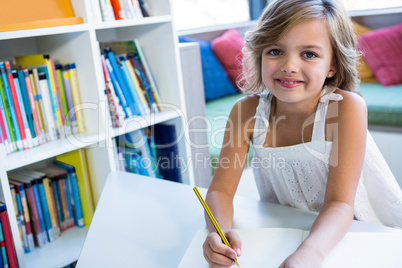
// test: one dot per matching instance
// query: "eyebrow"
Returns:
(308, 46)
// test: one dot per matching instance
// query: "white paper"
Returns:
(268, 247)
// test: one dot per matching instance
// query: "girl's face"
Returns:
(295, 68)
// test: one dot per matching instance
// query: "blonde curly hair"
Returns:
(281, 16)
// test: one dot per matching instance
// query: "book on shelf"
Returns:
(106, 9)
(137, 153)
(8, 238)
(13, 125)
(77, 159)
(20, 217)
(166, 145)
(130, 77)
(116, 110)
(35, 101)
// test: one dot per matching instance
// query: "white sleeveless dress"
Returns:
(297, 175)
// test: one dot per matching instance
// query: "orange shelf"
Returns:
(29, 14)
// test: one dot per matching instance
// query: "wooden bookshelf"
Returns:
(79, 43)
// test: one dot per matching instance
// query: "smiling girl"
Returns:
(300, 64)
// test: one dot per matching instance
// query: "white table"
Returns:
(145, 222)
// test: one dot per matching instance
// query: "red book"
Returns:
(8, 238)
(16, 104)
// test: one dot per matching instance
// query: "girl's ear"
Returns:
(332, 69)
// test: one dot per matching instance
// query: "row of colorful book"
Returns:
(8, 257)
(130, 87)
(50, 199)
(152, 152)
(124, 9)
(39, 102)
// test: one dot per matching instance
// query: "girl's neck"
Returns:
(294, 110)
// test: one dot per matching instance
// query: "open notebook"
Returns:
(268, 247)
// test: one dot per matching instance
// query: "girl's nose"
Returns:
(289, 65)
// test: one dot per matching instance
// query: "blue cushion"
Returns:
(216, 80)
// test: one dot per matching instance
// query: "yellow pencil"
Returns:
(214, 222)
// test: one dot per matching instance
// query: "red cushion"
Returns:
(382, 49)
(227, 49)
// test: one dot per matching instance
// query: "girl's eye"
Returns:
(309, 55)
(274, 52)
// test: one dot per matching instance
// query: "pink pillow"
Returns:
(382, 49)
(227, 49)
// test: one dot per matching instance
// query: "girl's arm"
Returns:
(226, 178)
(347, 156)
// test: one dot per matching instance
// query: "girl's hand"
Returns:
(303, 257)
(217, 254)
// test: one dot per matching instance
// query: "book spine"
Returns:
(4, 133)
(10, 147)
(8, 240)
(137, 9)
(24, 117)
(69, 98)
(144, 85)
(40, 213)
(64, 106)
(55, 209)
(67, 196)
(3, 247)
(76, 97)
(33, 209)
(147, 72)
(57, 95)
(118, 10)
(50, 123)
(50, 204)
(14, 98)
(78, 216)
(33, 75)
(31, 102)
(27, 107)
(45, 211)
(21, 224)
(118, 89)
(122, 82)
(107, 10)
(27, 219)
(115, 107)
(59, 206)
(12, 113)
(131, 87)
(52, 100)
(63, 203)
(137, 86)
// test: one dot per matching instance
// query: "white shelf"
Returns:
(44, 31)
(132, 22)
(139, 122)
(59, 253)
(50, 149)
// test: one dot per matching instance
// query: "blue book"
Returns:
(21, 224)
(78, 216)
(124, 87)
(22, 109)
(144, 82)
(15, 129)
(45, 208)
(27, 106)
(6, 117)
(59, 206)
(131, 86)
(118, 89)
(167, 150)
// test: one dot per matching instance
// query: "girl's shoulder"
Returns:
(246, 107)
(351, 103)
